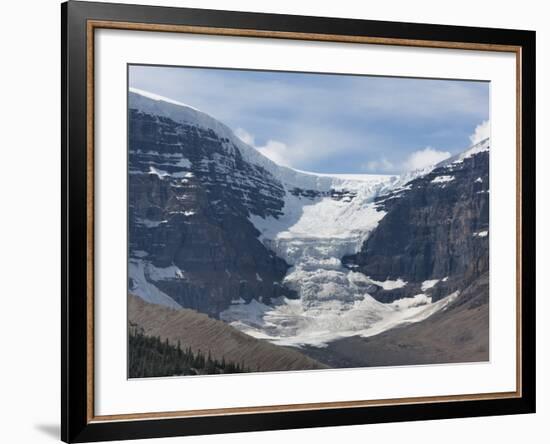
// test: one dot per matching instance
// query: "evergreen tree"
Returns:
(152, 357)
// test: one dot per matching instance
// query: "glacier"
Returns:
(313, 235)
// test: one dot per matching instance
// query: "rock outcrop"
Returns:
(435, 229)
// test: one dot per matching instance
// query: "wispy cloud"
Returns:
(424, 158)
(328, 123)
(379, 166)
(245, 136)
(303, 146)
(415, 161)
(482, 131)
(277, 151)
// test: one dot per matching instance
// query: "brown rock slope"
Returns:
(458, 334)
(198, 331)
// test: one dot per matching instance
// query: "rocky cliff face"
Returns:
(434, 236)
(190, 195)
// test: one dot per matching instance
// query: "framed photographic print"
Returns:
(275, 221)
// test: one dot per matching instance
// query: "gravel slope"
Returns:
(201, 332)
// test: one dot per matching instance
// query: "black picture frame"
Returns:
(76, 423)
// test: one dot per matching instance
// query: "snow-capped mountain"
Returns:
(283, 254)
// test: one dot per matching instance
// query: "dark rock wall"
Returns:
(190, 195)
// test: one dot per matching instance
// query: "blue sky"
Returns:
(332, 123)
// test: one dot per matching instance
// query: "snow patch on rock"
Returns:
(442, 179)
(481, 233)
(140, 284)
(426, 285)
(390, 284)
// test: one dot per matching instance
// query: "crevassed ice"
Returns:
(292, 323)
(312, 236)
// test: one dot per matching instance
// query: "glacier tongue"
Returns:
(312, 235)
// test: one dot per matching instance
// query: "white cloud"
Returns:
(276, 151)
(245, 136)
(482, 131)
(415, 161)
(302, 146)
(424, 158)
